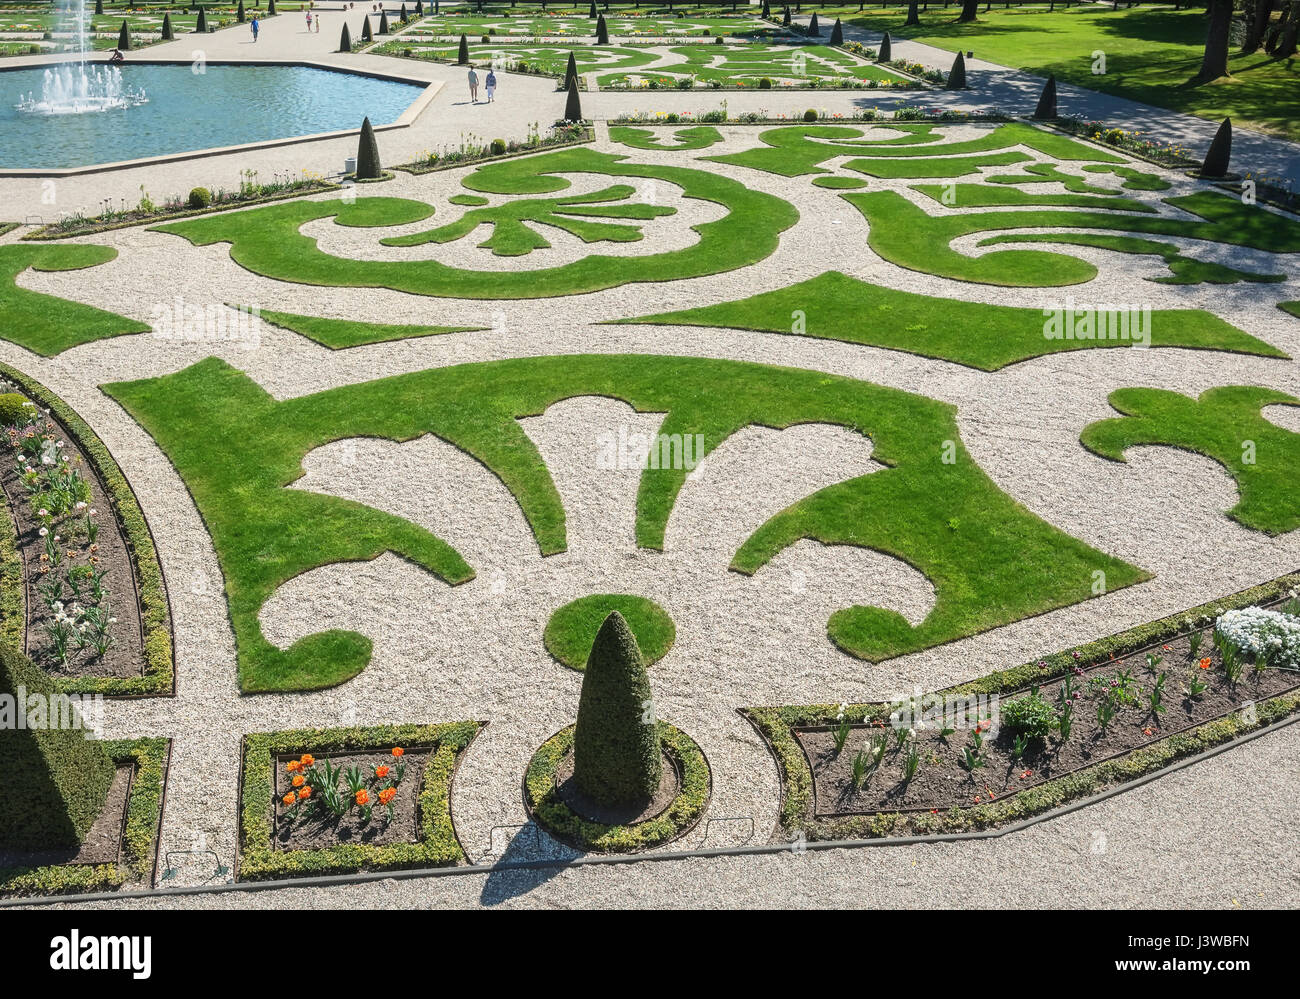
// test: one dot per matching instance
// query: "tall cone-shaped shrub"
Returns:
(886, 52)
(616, 755)
(419, 8)
(383, 22)
(367, 153)
(201, 25)
(572, 106)
(571, 72)
(99, 7)
(366, 36)
(56, 780)
(602, 31)
(345, 39)
(813, 28)
(1216, 160)
(124, 38)
(1047, 100)
(767, 11)
(167, 34)
(591, 12)
(403, 15)
(239, 12)
(957, 75)
(462, 53)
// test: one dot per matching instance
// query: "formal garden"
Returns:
(719, 470)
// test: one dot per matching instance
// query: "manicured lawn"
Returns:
(47, 325)
(987, 337)
(696, 137)
(751, 63)
(1224, 424)
(267, 240)
(339, 334)
(571, 631)
(990, 560)
(1151, 54)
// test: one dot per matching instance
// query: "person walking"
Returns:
(318, 24)
(309, 22)
(491, 84)
(255, 27)
(473, 86)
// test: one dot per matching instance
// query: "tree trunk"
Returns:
(1215, 63)
(913, 14)
(1258, 24)
(969, 9)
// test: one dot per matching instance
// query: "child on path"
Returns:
(491, 83)
(255, 27)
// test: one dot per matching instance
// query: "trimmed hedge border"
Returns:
(569, 827)
(139, 841)
(438, 844)
(776, 724)
(13, 611)
(418, 169)
(159, 673)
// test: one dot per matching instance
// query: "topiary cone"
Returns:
(383, 22)
(1216, 160)
(201, 25)
(419, 8)
(572, 106)
(886, 52)
(767, 11)
(785, 18)
(616, 754)
(1047, 100)
(239, 13)
(403, 15)
(813, 28)
(366, 36)
(957, 75)
(167, 34)
(602, 31)
(60, 777)
(345, 39)
(368, 154)
(571, 72)
(591, 12)
(99, 7)
(462, 54)
(837, 33)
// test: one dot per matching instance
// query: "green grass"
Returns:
(984, 196)
(907, 236)
(339, 334)
(839, 183)
(987, 337)
(751, 63)
(1224, 424)
(1290, 308)
(552, 60)
(696, 137)
(45, 324)
(991, 561)
(1151, 54)
(267, 240)
(571, 630)
(1048, 173)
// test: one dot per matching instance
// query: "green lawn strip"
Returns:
(46, 324)
(1224, 424)
(777, 724)
(158, 669)
(1134, 180)
(835, 183)
(139, 844)
(1183, 269)
(13, 616)
(1047, 173)
(906, 235)
(752, 63)
(791, 151)
(467, 200)
(571, 630)
(437, 844)
(987, 337)
(984, 196)
(1000, 564)
(548, 59)
(696, 137)
(339, 334)
(1290, 308)
(267, 240)
(1151, 55)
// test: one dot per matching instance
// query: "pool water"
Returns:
(223, 106)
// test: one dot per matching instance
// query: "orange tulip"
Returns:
(293, 766)
(1204, 663)
(363, 797)
(398, 751)
(289, 798)
(381, 772)
(387, 795)
(304, 793)
(299, 780)
(308, 759)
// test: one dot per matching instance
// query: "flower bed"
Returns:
(545, 804)
(147, 759)
(316, 801)
(472, 152)
(94, 612)
(720, 116)
(1138, 701)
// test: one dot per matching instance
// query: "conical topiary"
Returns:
(99, 8)
(616, 754)
(124, 38)
(571, 71)
(957, 75)
(56, 779)
(167, 34)
(239, 12)
(837, 33)
(1216, 160)
(591, 12)
(572, 106)
(886, 52)
(366, 36)
(419, 8)
(345, 39)
(767, 11)
(201, 25)
(1047, 100)
(383, 22)
(785, 18)
(368, 154)
(462, 54)
(402, 14)
(813, 29)
(602, 31)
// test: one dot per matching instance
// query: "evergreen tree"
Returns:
(572, 106)
(1216, 160)
(957, 75)
(368, 154)
(1047, 100)
(124, 38)
(886, 52)
(462, 54)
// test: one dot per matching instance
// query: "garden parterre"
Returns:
(772, 495)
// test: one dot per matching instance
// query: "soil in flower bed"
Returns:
(942, 780)
(315, 827)
(103, 843)
(126, 656)
(669, 787)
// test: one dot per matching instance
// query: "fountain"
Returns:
(77, 87)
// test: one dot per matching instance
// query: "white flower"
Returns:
(42, 512)
(43, 531)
